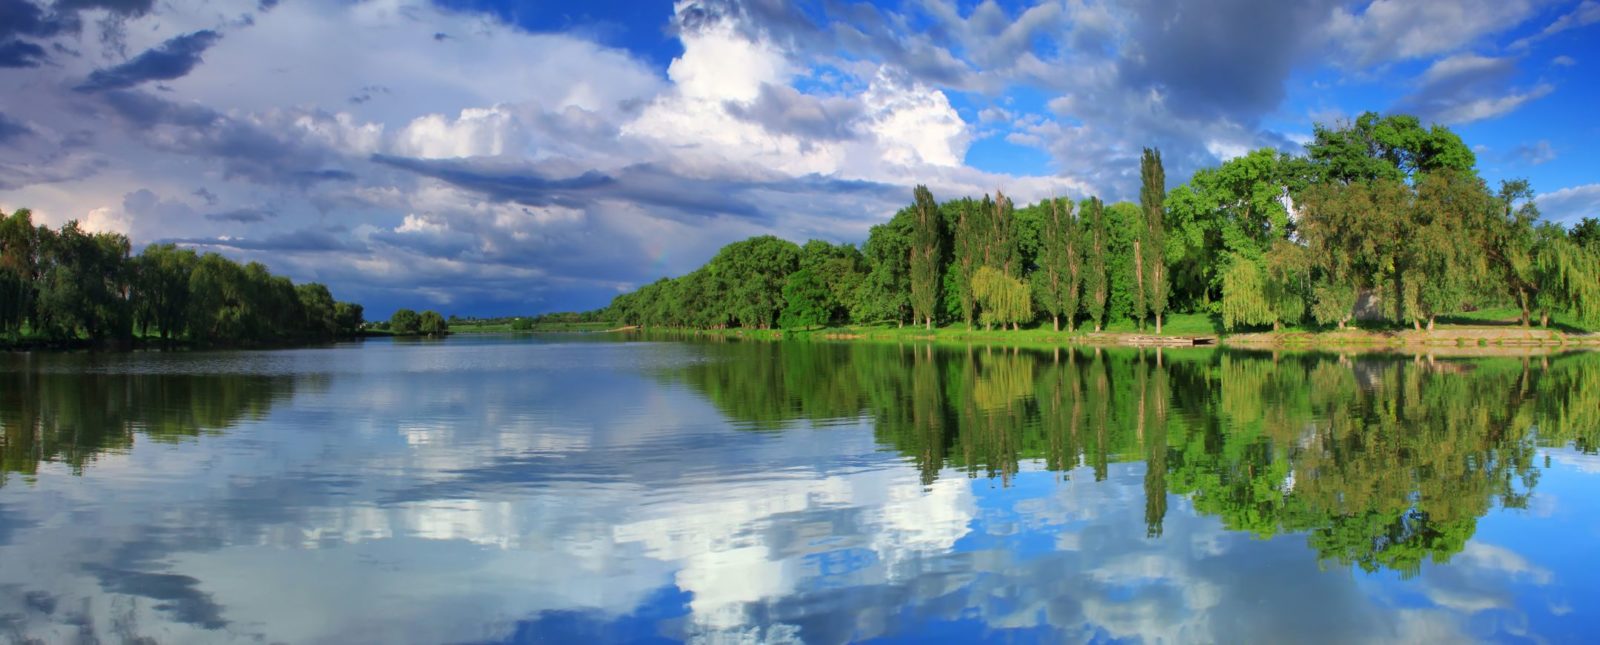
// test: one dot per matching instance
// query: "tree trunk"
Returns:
(1522, 301)
(1275, 325)
(1055, 323)
(1430, 323)
(1016, 326)
(1158, 324)
(1416, 323)
(1544, 319)
(930, 323)
(1096, 326)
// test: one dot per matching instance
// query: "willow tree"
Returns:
(1060, 269)
(1153, 261)
(1450, 208)
(926, 255)
(1244, 294)
(1005, 300)
(19, 268)
(1565, 273)
(1093, 239)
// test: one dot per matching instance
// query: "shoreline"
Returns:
(1452, 341)
(27, 345)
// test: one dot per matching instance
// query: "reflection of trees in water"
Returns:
(1383, 462)
(72, 418)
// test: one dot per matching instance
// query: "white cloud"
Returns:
(1568, 205)
(1396, 30)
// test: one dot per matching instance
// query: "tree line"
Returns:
(1381, 215)
(68, 285)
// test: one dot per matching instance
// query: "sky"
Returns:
(483, 157)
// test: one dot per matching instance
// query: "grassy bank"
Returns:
(1476, 331)
(508, 327)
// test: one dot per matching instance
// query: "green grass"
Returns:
(1198, 324)
(505, 328)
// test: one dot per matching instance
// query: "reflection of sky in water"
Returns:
(475, 491)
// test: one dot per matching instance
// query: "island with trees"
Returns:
(1384, 223)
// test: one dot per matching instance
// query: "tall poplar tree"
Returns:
(1152, 195)
(1093, 238)
(926, 234)
(969, 242)
(1057, 278)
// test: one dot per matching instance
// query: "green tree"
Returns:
(1393, 148)
(1125, 231)
(1096, 280)
(753, 272)
(971, 231)
(1585, 233)
(405, 322)
(319, 310)
(884, 293)
(1059, 275)
(350, 317)
(1152, 198)
(19, 270)
(1005, 300)
(1244, 294)
(161, 289)
(430, 323)
(807, 301)
(926, 255)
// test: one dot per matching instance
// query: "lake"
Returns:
(576, 488)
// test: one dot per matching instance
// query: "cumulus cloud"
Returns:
(773, 118)
(1394, 30)
(1569, 205)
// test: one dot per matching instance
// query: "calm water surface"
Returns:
(570, 489)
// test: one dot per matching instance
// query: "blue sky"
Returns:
(485, 157)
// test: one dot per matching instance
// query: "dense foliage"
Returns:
(1380, 210)
(68, 284)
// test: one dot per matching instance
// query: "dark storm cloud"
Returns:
(10, 129)
(241, 215)
(17, 53)
(300, 241)
(23, 18)
(1227, 59)
(647, 185)
(313, 176)
(780, 108)
(118, 7)
(248, 149)
(171, 59)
